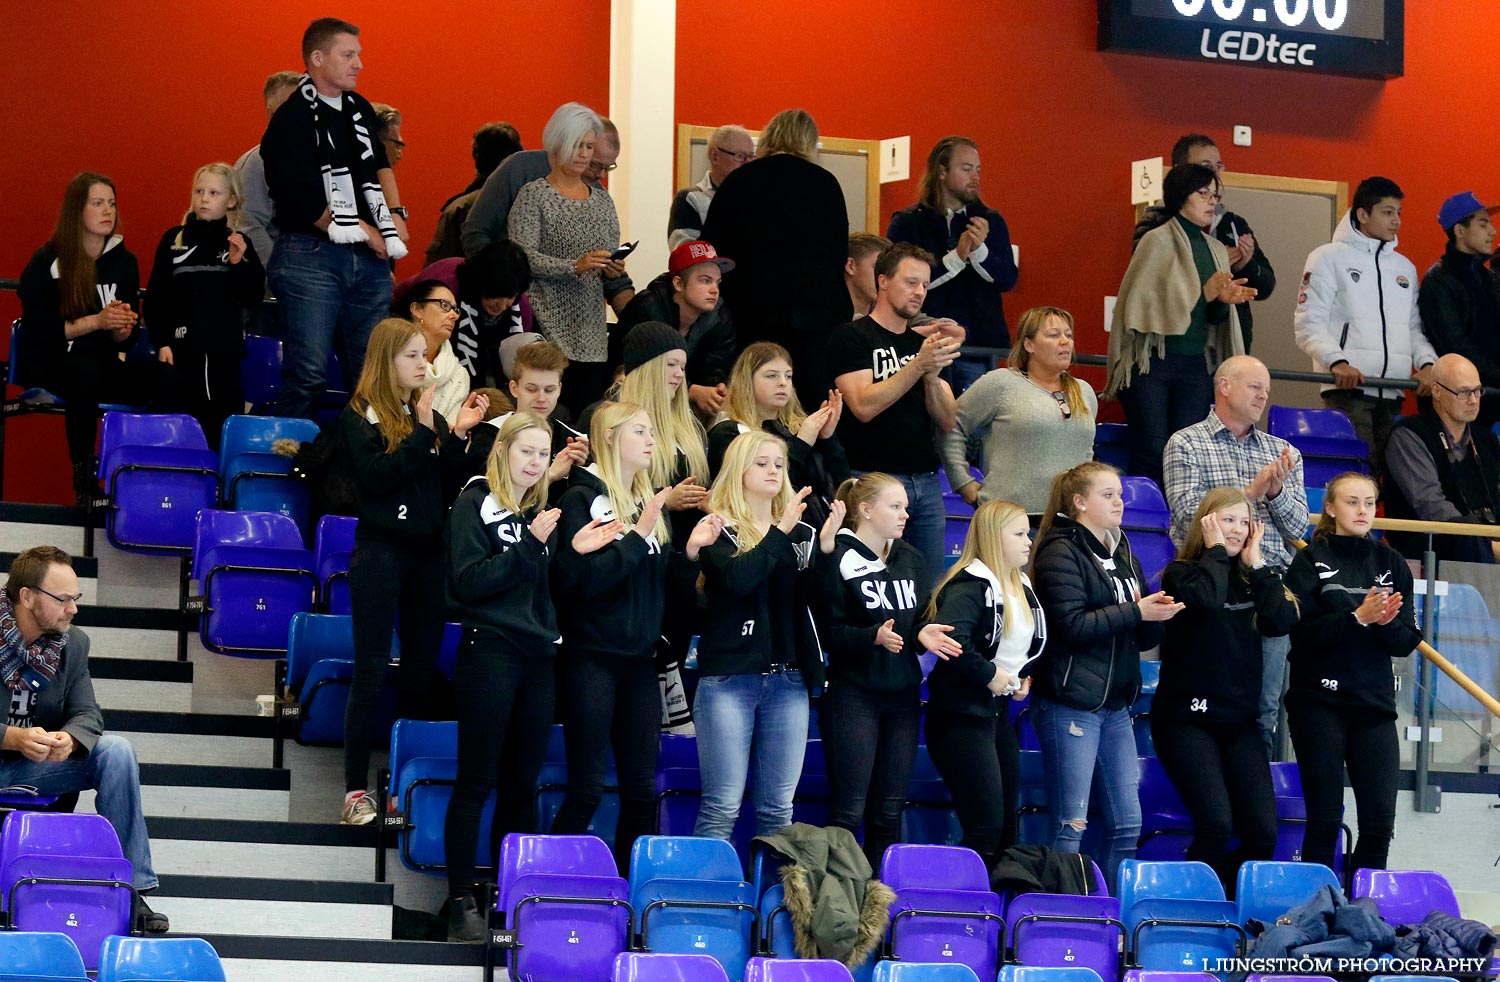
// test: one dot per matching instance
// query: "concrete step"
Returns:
(25, 525)
(142, 683)
(188, 791)
(279, 959)
(276, 907)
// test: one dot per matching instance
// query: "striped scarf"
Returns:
(339, 180)
(44, 655)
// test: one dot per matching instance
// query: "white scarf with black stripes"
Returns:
(339, 181)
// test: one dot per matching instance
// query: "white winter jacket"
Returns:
(1358, 303)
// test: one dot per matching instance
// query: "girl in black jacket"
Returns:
(402, 456)
(205, 280)
(613, 601)
(761, 396)
(500, 537)
(759, 650)
(1090, 587)
(1203, 717)
(78, 298)
(1341, 700)
(872, 710)
(986, 601)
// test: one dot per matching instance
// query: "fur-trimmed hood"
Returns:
(838, 909)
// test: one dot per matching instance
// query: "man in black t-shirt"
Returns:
(889, 378)
(338, 215)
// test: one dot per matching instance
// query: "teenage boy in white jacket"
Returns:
(1357, 315)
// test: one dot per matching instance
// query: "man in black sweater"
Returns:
(338, 213)
(1444, 468)
(52, 741)
(1460, 296)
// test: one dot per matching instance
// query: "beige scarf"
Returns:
(1156, 301)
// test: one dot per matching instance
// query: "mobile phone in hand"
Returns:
(623, 251)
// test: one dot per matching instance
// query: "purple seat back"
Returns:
(805, 970)
(1290, 423)
(149, 430)
(973, 938)
(260, 369)
(636, 966)
(1145, 506)
(1406, 896)
(1148, 975)
(562, 941)
(1047, 943)
(1287, 978)
(572, 855)
(266, 529)
(949, 867)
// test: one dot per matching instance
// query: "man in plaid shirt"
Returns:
(1226, 450)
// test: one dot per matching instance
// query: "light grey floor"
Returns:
(282, 919)
(267, 971)
(251, 804)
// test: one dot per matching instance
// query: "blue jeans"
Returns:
(965, 372)
(1273, 654)
(324, 292)
(926, 518)
(1176, 393)
(1079, 746)
(738, 714)
(112, 771)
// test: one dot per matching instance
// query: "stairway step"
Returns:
(174, 748)
(137, 669)
(228, 830)
(188, 791)
(115, 694)
(132, 642)
(190, 724)
(325, 953)
(139, 618)
(276, 918)
(258, 970)
(276, 888)
(186, 853)
(25, 525)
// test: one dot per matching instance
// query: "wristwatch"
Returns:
(399, 210)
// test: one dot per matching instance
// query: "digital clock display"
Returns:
(1340, 37)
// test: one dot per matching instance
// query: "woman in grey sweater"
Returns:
(1036, 419)
(568, 229)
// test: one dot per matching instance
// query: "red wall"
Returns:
(147, 90)
(120, 87)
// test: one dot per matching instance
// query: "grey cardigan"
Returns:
(68, 704)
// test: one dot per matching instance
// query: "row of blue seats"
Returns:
(424, 765)
(43, 956)
(562, 896)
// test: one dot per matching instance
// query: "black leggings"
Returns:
(869, 742)
(1224, 777)
(980, 762)
(504, 718)
(387, 575)
(209, 388)
(85, 380)
(613, 702)
(1327, 738)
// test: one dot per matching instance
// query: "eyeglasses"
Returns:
(446, 306)
(1062, 404)
(74, 600)
(1464, 394)
(1209, 194)
(743, 158)
(599, 168)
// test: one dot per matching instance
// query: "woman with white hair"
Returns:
(568, 229)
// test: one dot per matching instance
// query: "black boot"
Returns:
(85, 485)
(466, 922)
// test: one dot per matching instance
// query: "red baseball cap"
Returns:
(690, 254)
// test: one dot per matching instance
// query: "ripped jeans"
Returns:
(1079, 748)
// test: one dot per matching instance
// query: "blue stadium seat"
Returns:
(78, 881)
(254, 575)
(158, 473)
(423, 768)
(1326, 440)
(40, 955)
(255, 478)
(1053, 930)
(453, 633)
(37, 399)
(260, 370)
(1020, 973)
(1291, 817)
(928, 817)
(1146, 523)
(1177, 914)
(563, 897)
(637, 966)
(159, 960)
(1291, 423)
(1166, 826)
(333, 548)
(1140, 711)
(889, 971)
(778, 938)
(690, 896)
(1406, 896)
(944, 908)
(1267, 889)
(552, 788)
(1111, 445)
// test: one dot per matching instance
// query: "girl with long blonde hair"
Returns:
(205, 281)
(615, 601)
(501, 539)
(405, 461)
(762, 397)
(986, 606)
(871, 714)
(1098, 621)
(1340, 701)
(758, 649)
(1203, 717)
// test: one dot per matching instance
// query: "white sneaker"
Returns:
(359, 808)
